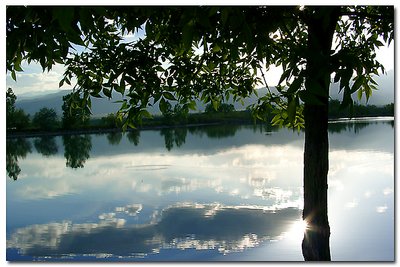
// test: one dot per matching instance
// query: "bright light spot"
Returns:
(387, 191)
(368, 194)
(381, 209)
(296, 230)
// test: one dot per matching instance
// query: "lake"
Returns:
(210, 193)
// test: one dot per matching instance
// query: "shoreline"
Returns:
(30, 134)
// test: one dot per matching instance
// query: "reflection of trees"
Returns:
(187, 227)
(338, 127)
(46, 145)
(266, 128)
(114, 138)
(391, 123)
(133, 137)
(76, 149)
(15, 149)
(216, 131)
(175, 135)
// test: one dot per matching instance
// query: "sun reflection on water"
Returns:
(296, 230)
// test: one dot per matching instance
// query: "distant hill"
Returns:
(384, 95)
(100, 106)
(104, 106)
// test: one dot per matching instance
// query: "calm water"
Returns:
(231, 193)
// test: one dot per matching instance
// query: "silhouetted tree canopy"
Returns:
(74, 116)
(45, 119)
(209, 53)
(213, 54)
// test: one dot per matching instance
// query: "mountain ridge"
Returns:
(104, 106)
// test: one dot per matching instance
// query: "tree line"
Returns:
(46, 119)
(74, 117)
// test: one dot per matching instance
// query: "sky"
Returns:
(33, 81)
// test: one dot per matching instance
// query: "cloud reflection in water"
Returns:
(184, 226)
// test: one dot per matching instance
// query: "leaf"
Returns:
(295, 85)
(285, 75)
(13, 75)
(148, 28)
(168, 96)
(187, 35)
(107, 92)
(61, 83)
(368, 91)
(216, 48)
(64, 16)
(145, 113)
(170, 80)
(192, 105)
(215, 104)
(359, 93)
(224, 15)
(359, 81)
(291, 110)
(163, 105)
(17, 67)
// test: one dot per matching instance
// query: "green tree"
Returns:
(46, 119)
(224, 108)
(10, 102)
(74, 116)
(109, 121)
(18, 120)
(15, 118)
(214, 53)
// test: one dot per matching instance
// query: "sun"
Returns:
(296, 229)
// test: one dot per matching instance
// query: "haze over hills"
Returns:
(104, 106)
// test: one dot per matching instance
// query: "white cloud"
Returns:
(34, 81)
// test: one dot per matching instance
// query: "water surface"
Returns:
(212, 193)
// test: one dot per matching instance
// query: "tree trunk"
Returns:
(321, 27)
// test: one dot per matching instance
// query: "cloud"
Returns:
(34, 81)
(225, 228)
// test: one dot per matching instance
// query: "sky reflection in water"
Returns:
(209, 197)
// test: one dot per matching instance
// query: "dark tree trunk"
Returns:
(321, 27)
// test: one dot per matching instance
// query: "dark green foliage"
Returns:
(109, 121)
(336, 110)
(74, 116)
(224, 108)
(133, 136)
(213, 53)
(114, 138)
(46, 119)
(46, 145)
(16, 119)
(16, 149)
(208, 52)
(10, 102)
(173, 136)
(76, 150)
